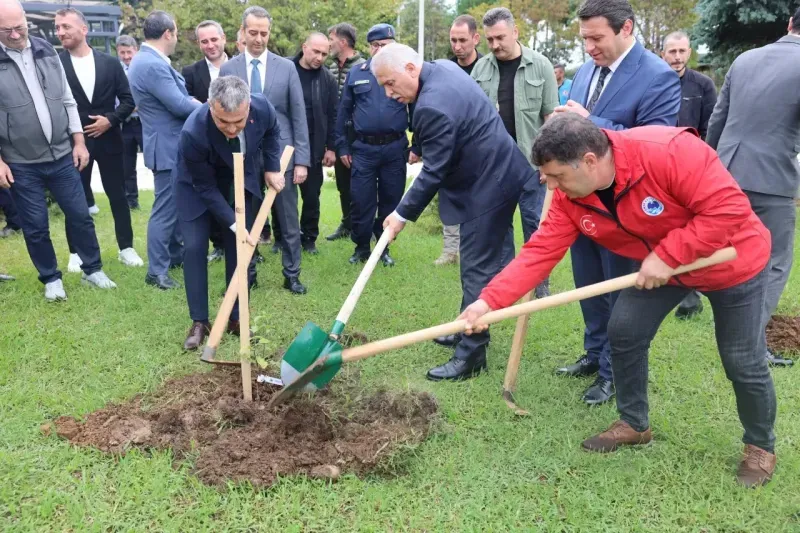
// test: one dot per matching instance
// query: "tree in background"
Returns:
(657, 19)
(292, 20)
(438, 18)
(730, 28)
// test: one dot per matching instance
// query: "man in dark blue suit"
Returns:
(622, 87)
(231, 121)
(474, 165)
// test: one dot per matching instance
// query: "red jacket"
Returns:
(673, 196)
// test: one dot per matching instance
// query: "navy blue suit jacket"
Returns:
(643, 91)
(469, 157)
(204, 170)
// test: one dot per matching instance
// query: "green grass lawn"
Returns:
(486, 470)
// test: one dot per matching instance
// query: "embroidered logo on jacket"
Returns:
(652, 206)
(587, 225)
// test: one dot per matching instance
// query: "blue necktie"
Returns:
(255, 78)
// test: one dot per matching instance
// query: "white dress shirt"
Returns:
(262, 67)
(214, 71)
(85, 71)
(613, 67)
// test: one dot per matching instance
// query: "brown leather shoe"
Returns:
(197, 334)
(619, 434)
(233, 327)
(756, 467)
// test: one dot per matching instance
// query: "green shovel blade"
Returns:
(316, 376)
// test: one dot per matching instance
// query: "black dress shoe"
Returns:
(543, 289)
(134, 206)
(386, 259)
(601, 391)
(310, 248)
(774, 359)
(685, 313)
(173, 266)
(294, 285)
(276, 247)
(163, 282)
(448, 340)
(358, 257)
(216, 254)
(582, 367)
(457, 369)
(340, 233)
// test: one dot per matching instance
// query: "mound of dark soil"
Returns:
(783, 333)
(233, 440)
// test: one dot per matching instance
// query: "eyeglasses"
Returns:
(18, 29)
(376, 44)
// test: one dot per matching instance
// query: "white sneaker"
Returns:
(75, 263)
(54, 291)
(130, 258)
(99, 280)
(94, 210)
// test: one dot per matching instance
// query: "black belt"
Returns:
(379, 139)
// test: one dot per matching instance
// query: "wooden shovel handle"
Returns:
(224, 313)
(361, 282)
(521, 330)
(616, 284)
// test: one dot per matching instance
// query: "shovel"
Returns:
(324, 368)
(224, 313)
(312, 343)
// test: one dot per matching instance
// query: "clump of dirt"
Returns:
(783, 333)
(203, 415)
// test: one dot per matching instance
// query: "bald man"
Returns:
(321, 97)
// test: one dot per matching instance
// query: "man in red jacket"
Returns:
(658, 195)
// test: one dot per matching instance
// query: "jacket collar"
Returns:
(220, 142)
(527, 56)
(791, 38)
(627, 164)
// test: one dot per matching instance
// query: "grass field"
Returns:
(486, 470)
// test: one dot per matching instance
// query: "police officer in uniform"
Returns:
(373, 147)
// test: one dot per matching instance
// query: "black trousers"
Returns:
(195, 265)
(111, 174)
(309, 216)
(343, 186)
(482, 258)
(131, 144)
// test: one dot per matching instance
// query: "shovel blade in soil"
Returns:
(313, 378)
(310, 345)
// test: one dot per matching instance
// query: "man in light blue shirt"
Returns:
(564, 84)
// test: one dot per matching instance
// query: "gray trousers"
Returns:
(741, 342)
(451, 239)
(164, 239)
(289, 221)
(778, 214)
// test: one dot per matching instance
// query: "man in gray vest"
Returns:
(756, 132)
(42, 146)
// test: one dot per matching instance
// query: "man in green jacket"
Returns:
(522, 84)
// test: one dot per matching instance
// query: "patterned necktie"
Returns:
(601, 79)
(255, 78)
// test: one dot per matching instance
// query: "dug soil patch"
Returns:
(202, 415)
(783, 333)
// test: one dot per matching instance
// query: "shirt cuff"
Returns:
(233, 227)
(398, 217)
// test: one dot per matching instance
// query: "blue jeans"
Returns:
(64, 182)
(741, 341)
(10, 209)
(164, 241)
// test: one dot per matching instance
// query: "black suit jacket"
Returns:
(469, 157)
(204, 167)
(198, 80)
(110, 85)
(698, 97)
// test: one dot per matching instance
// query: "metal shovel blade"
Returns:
(316, 376)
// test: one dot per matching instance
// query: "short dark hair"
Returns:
(346, 31)
(126, 40)
(470, 22)
(72, 11)
(566, 138)
(258, 12)
(496, 15)
(616, 12)
(796, 21)
(156, 23)
(561, 66)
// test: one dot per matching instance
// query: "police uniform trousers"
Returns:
(377, 183)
